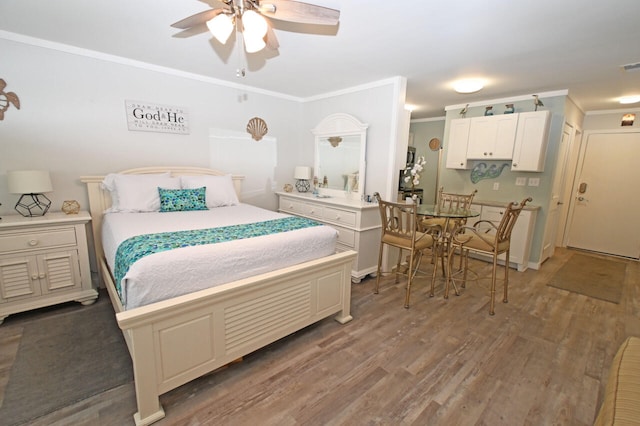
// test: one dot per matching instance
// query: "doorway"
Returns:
(603, 213)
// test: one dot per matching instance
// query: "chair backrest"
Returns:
(398, 219)
(509, 219)
(452, 201)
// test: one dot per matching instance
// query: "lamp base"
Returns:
(30, 205)
(303, 185)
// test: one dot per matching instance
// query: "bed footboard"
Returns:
(175, 341)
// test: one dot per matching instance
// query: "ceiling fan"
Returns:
(248, 16)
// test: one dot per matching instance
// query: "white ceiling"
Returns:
(519, 46)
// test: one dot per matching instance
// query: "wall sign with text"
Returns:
(148, 117)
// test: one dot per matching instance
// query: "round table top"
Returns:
(437, 211)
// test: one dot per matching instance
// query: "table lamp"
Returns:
(302, 175)
(31, 184)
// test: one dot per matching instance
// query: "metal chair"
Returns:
(449, 201)
(487, 238)
(400, 230)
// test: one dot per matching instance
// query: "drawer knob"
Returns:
(34, 277)
(41, 276)
(33, 243)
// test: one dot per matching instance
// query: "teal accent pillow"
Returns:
(178, 200)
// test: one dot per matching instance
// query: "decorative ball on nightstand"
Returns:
(71, 207)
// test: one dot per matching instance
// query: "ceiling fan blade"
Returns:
(197, 19)
(296, 11)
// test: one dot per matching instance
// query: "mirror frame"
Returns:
(341, 124)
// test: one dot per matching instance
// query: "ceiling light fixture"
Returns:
(629, 99)
(254, 26)
(468, 86)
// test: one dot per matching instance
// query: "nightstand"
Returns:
(44, 261)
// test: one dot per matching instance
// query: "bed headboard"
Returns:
(100, 199)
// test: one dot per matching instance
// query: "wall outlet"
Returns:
(521, 181)
(496, 186)
(534, 181)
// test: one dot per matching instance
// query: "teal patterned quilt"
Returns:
(140, 246)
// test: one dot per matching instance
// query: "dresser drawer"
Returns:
(291, 206)
(342, 217)
(313, 210)
(37, 240)
(346, 237)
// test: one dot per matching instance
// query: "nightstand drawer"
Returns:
(37, 240)
(342, 217)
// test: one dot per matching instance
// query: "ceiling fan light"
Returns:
(254, 23)
(252, 42)
(221, 27)
(468, 86)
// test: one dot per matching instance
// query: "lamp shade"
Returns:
(253, 43)
(221, 27)
(254, 28)
(302, 172)
(29, 181)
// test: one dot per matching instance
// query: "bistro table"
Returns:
(453, 219)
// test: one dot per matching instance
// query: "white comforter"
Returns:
(176, 272)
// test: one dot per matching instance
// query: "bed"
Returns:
(176, 340)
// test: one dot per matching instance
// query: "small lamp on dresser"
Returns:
(302, 176)
(30, 184)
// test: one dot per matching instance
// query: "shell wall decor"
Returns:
(257, 128)
(7, 99)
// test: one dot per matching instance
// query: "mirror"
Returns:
(340, 148)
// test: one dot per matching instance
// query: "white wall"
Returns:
(381, 106)
(72, 119)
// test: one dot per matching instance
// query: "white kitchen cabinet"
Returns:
(357, 223)
(492, 137)
(531, 142)
(457, 144)
(521, 235)
(44, 261)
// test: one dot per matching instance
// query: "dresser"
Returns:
(44, 261)
(357, 223)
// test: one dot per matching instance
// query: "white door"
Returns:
(557, 197)
(605, 209)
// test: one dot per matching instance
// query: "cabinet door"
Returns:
(532, 138)
(519, 234)
(18, 278)
(59, 271)
(492, 137)
(457, 147)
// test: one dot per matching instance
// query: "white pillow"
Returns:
(220, 191)
(138, 193)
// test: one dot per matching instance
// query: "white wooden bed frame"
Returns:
(175, 341)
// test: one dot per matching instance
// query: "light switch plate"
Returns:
(521, 181)
(496, 186)
(534, 181)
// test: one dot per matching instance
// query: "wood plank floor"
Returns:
(542, 359)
